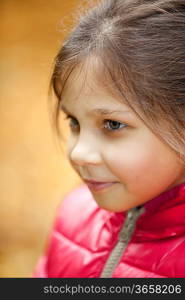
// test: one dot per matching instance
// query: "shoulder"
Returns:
(82, 233)
(83, 222)
(77, 199)
(79, 211)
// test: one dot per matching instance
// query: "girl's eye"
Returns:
(73, 123)
(109, 125)
(113, 125)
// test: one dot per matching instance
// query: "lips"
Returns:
(98, 186)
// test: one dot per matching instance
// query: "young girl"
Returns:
(120, 79)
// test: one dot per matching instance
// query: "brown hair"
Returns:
(140, 45)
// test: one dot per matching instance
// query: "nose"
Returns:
(84, 152)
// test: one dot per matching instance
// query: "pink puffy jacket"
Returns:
(88, 241)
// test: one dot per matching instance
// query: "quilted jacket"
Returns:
(90, 242)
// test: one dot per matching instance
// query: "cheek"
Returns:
(131, 163)
(139, 159)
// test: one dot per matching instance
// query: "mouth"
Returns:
(96, 186)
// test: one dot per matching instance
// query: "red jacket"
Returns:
(84, 237)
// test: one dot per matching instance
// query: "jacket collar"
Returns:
(164, 215)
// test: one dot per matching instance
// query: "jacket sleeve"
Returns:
(41, 268)
(49, 265)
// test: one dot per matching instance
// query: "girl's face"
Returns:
(121, 160)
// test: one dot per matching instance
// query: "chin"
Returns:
(109, 207)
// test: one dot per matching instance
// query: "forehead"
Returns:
(86, 82)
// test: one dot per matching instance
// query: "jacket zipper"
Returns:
(125, 236)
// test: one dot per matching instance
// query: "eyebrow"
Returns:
(98, 111)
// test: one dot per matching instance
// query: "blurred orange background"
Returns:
(34, 173)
